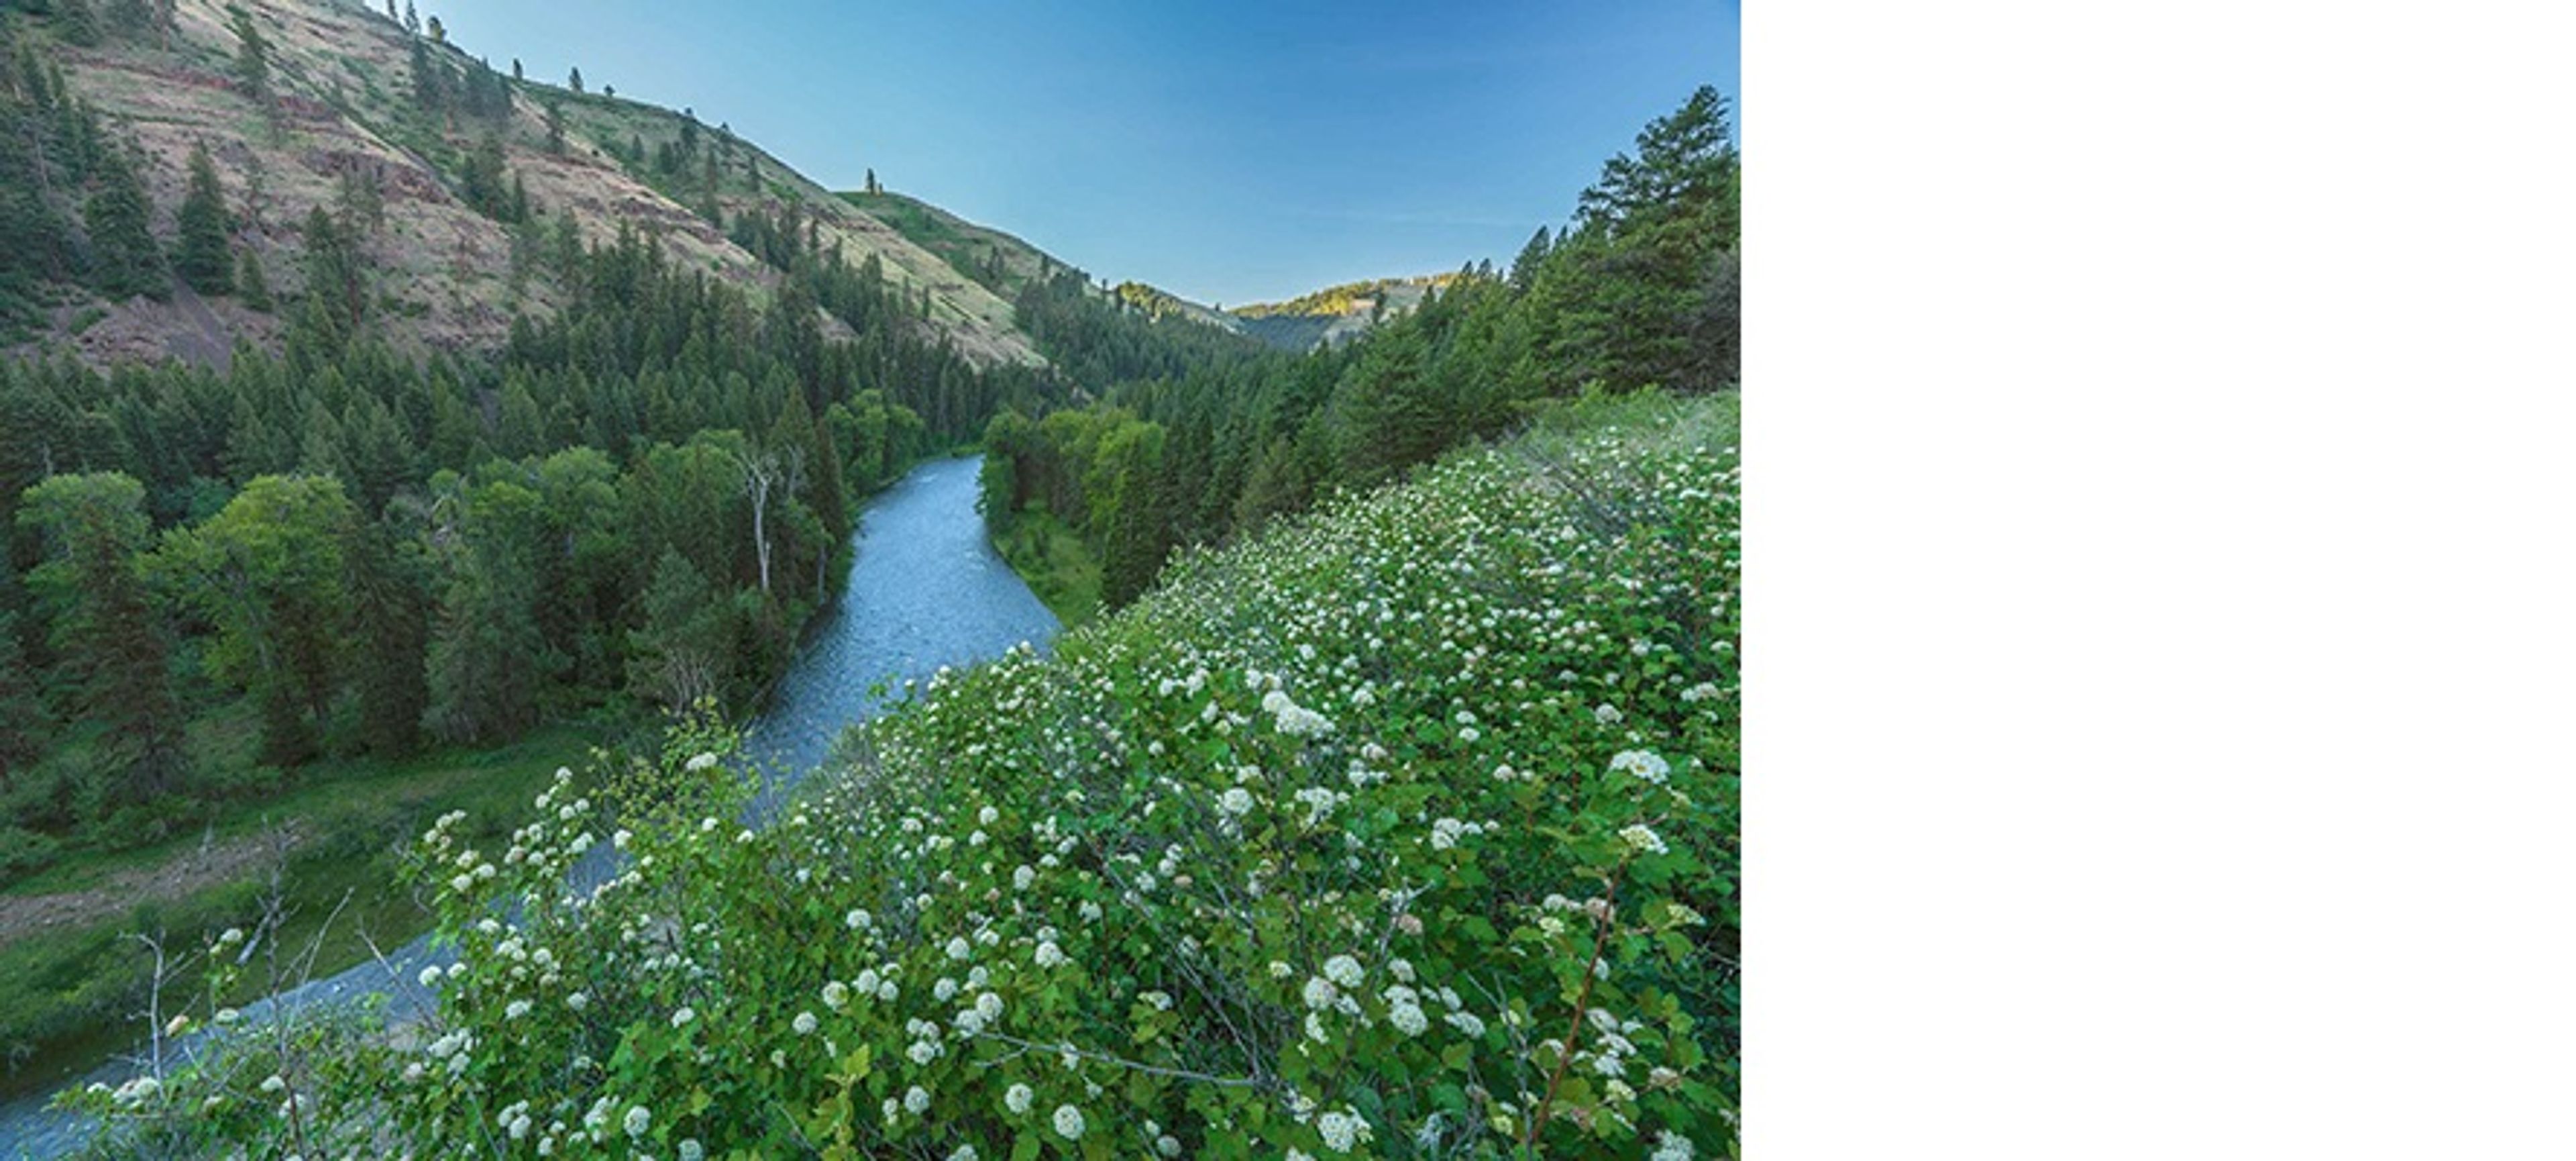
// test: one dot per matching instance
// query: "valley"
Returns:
(419, 479)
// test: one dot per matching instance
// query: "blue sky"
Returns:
(1226, 152)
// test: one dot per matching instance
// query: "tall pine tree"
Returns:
(125, 260)
(104, 626)
(205, 229)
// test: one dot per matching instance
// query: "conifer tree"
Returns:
(486, 652)
(23, 720)
(78, 22)
(104, 626)
(250, 59)
(131, 17)
(254, 283)
(205, 229)
(386, 587)
(334, 280)
(127, 262)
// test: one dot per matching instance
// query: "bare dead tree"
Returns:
(762, 473)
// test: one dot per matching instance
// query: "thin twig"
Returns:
(1133, 1065)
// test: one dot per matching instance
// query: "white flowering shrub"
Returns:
(1408, 829)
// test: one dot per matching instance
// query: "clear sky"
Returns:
(1227, 152)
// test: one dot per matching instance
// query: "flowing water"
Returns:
(924, 591)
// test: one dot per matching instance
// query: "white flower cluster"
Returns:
(1642, 765)
(1344, 1130)
(1642, 839)
(1292, 719)
(1446, 832)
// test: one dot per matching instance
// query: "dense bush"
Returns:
(1408, 830)
(25, 852)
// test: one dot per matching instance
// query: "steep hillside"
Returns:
(400, 133)
(1156, 302)
(1010, 266)
(1004, 263)
(1336, 314)
(1408, 829)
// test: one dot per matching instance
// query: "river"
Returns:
(925, 590)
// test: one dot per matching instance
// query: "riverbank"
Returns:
(1054, 562)
(71, 975)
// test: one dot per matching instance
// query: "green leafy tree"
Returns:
(575, 80)
(205, 229)
(267, 572)
(684, 651)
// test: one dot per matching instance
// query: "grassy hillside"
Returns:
(345, 111)
(1002, 262)
(1407, 829)
(1010, 266)
(1335, 314)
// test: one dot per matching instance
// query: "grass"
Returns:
(1058, 567)
(962, 245)
(65, 994)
